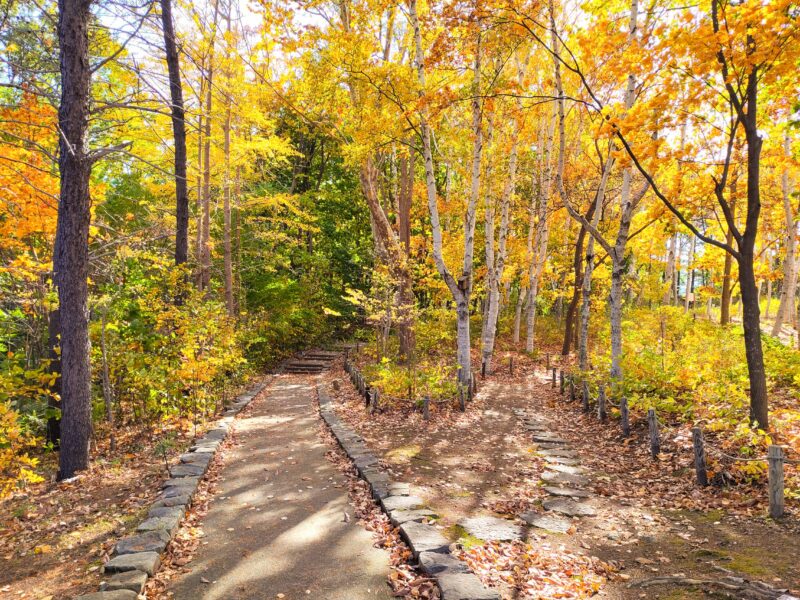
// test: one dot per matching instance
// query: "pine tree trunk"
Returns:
(178, 134)
(71, 252)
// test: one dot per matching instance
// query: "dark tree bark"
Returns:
(577, 265)
(179, 135)
(53, 430)
(71, 252)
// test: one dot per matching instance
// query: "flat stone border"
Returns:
(138, 556)
(428, 546)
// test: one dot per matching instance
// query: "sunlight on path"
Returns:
(276, 525)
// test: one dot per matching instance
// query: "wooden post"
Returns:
(624, 417)
(511, 365)
(561, 381)
(483, 369)
(601, 403)
(699, 456)
(585, 396)
(655, 441)
(553, 384)
(474, 385)
(375, 400)
(461, 398)
(547, 358)
(572, 388)
(426, 408)
(367, 393)
(775, 458)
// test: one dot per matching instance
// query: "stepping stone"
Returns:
(175, 512)
(549, 439)
(423, 538)
(571, 508)
(181, 500)
(492, 529)
(197, 458)
(129, 580)
(564, 491)
(173, 492)
(401, 502)
(398, 517)
(464, 586)
(182, 482)
(184, 470)
(539, 429)
(146, 562)
(564, 478)
(547, 522)
(567, 469)
(433, 563)
(563, 452)
(149, 541)
(560, 460)
(167, 523)
(400, 489)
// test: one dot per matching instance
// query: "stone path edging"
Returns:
(428, 546)
(138, 556)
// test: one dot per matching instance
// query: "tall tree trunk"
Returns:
(226, 236)
(460, 289)
(518, 313)
(496, 261)
(405, 329)
(727, 283)
(71, 252)
(178, 134)
(572, 308)
(53, 433)
(537, 248)
(689, 275)
(669, 271)
(205, 235)
(789, 287)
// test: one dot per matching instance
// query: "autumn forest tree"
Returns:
(194, 191)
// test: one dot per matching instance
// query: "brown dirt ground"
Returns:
(54, 537)
(652, 520)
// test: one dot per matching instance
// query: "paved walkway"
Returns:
(276, 525)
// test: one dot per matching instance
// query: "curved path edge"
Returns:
(138, 556)
(428, 546)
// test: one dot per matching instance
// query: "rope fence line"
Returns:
(466, 393)
(776, 457)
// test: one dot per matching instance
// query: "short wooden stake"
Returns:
(375, 399)
(655, 441)
(474, 385)
(572, 388)
(426, 408)
(553, 383)
(585, 396)
(483, 369)
(699, 456)
(547, 358)
(601, 403)
(624, 417)
(561, 381)
(511, 365)
(775, 459)
(367, 394)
